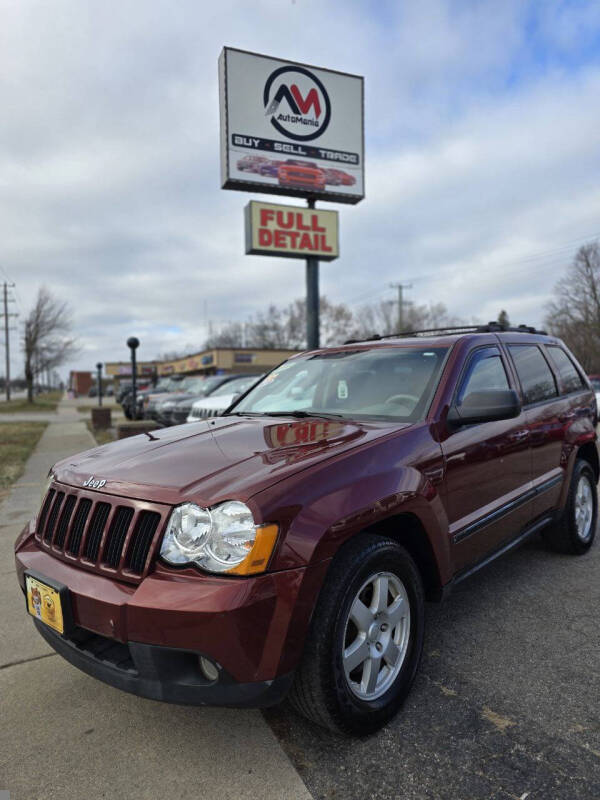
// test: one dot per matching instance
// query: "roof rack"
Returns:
(491, 327)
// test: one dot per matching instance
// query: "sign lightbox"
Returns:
(292, 231)
(290, 128)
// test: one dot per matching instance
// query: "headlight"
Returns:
(222, 539)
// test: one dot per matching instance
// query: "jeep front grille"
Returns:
(99, 532)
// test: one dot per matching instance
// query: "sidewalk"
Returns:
(65, 735)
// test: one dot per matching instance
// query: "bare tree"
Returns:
(46, 341)
(574, 313)
(382, 318)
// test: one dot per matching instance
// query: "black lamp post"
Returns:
(99, 368)
(133, 344)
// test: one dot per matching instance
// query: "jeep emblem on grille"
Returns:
(93, 483)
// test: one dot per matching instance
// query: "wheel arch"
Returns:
(589, 452)
(408, 530)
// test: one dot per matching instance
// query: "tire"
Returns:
(575, 530)
(360, 699)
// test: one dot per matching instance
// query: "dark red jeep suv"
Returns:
(288, 546)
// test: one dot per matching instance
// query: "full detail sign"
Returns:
(292, 231)
(290, 129)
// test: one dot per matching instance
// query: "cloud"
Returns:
(481, 134)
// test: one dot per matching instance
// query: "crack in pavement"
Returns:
(26, 660)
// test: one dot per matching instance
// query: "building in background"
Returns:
(119, 371)
(217, 361)
(226, 359)
(80, 382)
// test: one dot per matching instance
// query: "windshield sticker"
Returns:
(342, 390)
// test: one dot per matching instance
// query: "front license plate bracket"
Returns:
(48, 601)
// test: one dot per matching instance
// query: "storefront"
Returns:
(225, 359)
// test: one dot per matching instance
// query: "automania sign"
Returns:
(290, 128)
(292, 231)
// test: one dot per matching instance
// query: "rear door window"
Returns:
(570, 379)
(537, 380)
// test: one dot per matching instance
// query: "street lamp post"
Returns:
(133, 344)
(99, 368)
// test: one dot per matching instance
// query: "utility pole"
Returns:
(7, 330)
(400, 287)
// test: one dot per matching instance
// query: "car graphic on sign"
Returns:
(270, 168)
(251, 163)
(301, 175)
(337, 177)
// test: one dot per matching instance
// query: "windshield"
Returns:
(389, 383)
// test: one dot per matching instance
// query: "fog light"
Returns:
(209, 669)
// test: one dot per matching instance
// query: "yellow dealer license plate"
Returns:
(45, 603)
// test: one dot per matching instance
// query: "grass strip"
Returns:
(17, 440)
(45, 402)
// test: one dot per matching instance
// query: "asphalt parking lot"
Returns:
(506, 705)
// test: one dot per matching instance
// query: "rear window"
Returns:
(570, 379)
(537, 380)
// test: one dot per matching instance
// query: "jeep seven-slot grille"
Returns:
(118, 532)
(100, 532)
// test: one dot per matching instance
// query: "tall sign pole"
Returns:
(133, 343)
(99, 368)
(312, 297)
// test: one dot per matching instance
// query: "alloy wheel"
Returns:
(376, 635)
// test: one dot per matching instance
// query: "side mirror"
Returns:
(487, 406)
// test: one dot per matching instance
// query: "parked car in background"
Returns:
(123, 389)
(301, 175)
(154, 396)
(93, 391)
(181, 409)
(190, 387)
(219, 400)
(142, 388)
(251, 163)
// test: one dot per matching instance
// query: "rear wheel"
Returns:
(575, 530)
(365, 641)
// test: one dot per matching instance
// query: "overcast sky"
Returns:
(482, 158)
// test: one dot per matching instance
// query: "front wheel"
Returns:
(575, 530)
(366, 639)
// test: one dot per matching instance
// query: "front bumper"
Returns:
(252, 628)
(160, 673)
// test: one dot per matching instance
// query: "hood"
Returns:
(214, 460)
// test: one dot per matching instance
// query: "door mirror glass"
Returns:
(485, 406)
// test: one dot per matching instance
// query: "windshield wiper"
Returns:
(297, 413)
(300, 413)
